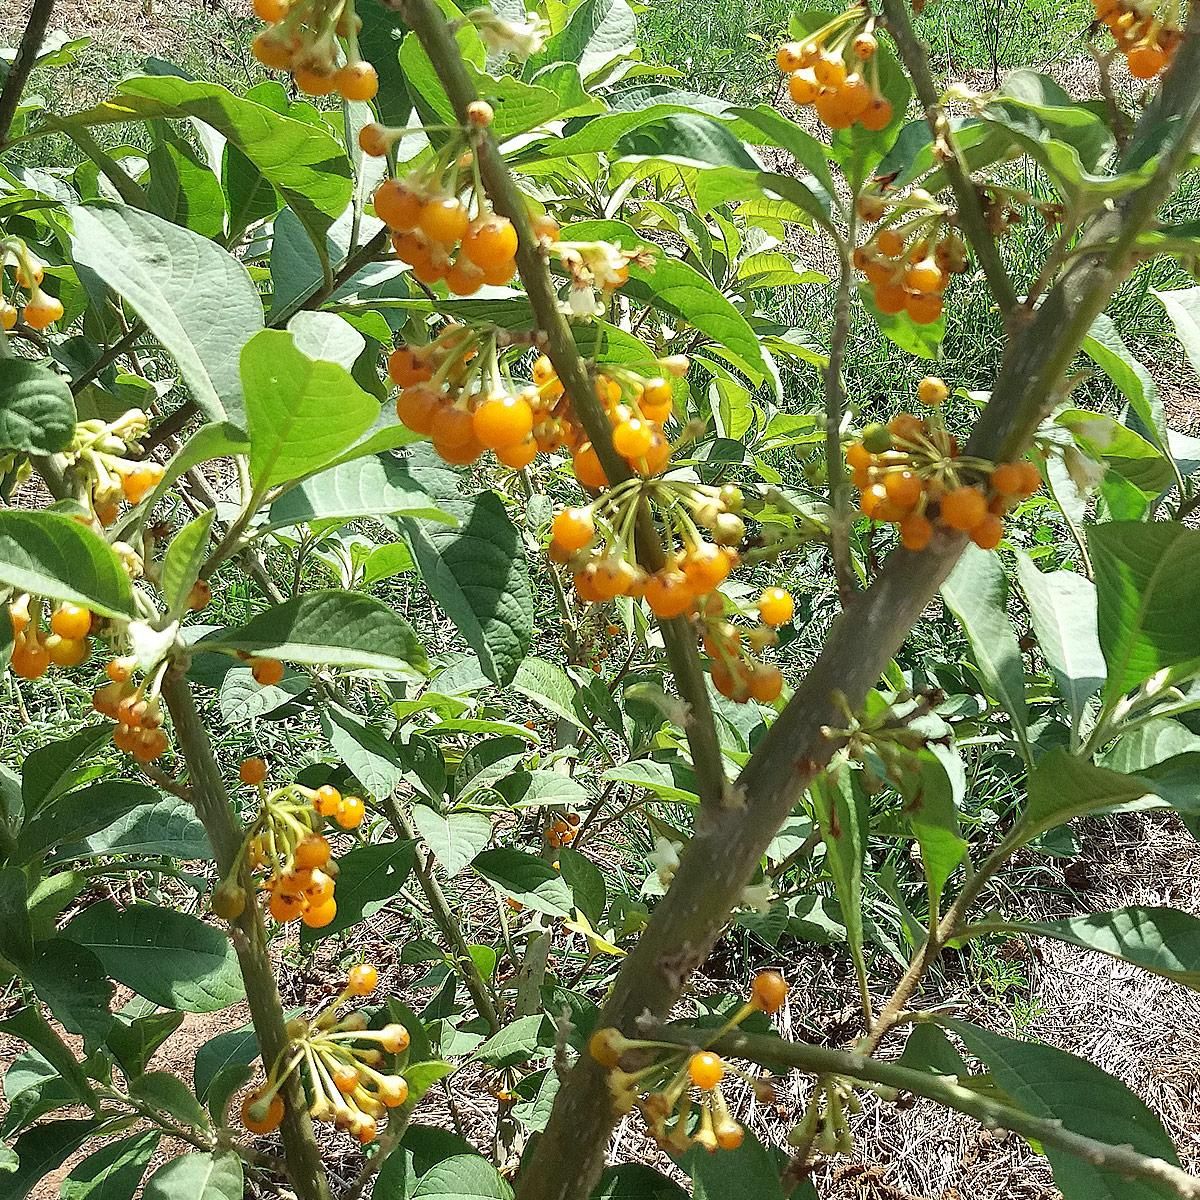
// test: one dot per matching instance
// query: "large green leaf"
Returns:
(301, 412)
(517, 1042)
(195, 298)
(373, 486)
(1162, 940)
(220, 440)
(367, 753)
(53, 767)
(680, 290)
(300, 159)
(166, 826)
(841, 812)
(113, 1172)
(31, 1027)
(368, 877)
(328, 628)
(37, 410)
(975, 592)
(1052, 1084)
(1105, 347)
(929, 807)
(184, 558)
(1183, 307)
(455, 839)
(1063, 608)
(216, 1176)
(71, 981)
(1148, 595)
(636, 1181)
(79, 814)
(53, 555)
(16, 935)
(478, 575)
(1063, 786)
(40, 1150)
(747, 1171)
(527, 878)
(463, 1177)
(167, 956)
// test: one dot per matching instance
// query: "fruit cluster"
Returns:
(68, 644)
(1146, 37)
(285, 839)
(100, 469)
(40, 309)
(338, 1060)
(910, 257)
(597, 542)
(135, 709)
(663, 1090)
(302, 37)
(836, 70)
(562, 831)
(910, 473)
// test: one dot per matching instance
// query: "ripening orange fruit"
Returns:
(71, 620)
(706, 1070)
(789, 57)
(668, 593)
(503, 420)
(987, 532)
(932, 391)
(766, 682)
(775, 606)
(803, 87)
(358, 81)
(252, 771)
(267, 672)
(963, 508)
(41, 310)
(311, 852)
(587, 467)
(904, 489)
(398, 206)
(490, 241)
(270, 10)
(830, 71)
(285, 907)
(1145, 61)
(317, 916)
(418, 407)
(313, 81)
(260, 1115)
(326, 800)
(915, 532)
(705, 567)
(518, 455)
(924, 309)
(67, 652)
(877, 115)
(363, 979)
(444, 219)
(573, 528)
(350, 812)
(768, 991)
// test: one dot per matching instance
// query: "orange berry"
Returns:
(573, 528)
(71, 621)
(271, 50)
(344, 1076)
(890, 243)
(357, 81)
(350, 812)
(8, 315)
(141, 480)
(464, 278)
(120, 670)
(668, 593)
(418, 408)
(633, 438)
(405, 369)
(923, 309)
(586, 463)
(987, 532)
(314, 82)
(285, 907)
(877, 115)
(489, 241)
(729, 1135)
(932, 391)
(915, 532)
(775, 606)
(317, 916)
(393, 1090)
(924, 276)
(766, 682)
(41, 310)
(768, 991)
(833, 109)
(858, 457)
(326, 800)
(503, 420)
(374, 140)
(453, 427)
(444, 219)
(200, 596)
(543, 370)
(412, 248)
(865, 45)
(270, 10)
(267, 672)
(705, 567)
(706, 1070)
(363, 980)
(891, 300)
(67, 652)
(963, 508)
(830, 71)
(854, 96)
(1146, 61)
(518, 455)
(319, 888)
(904, 489)
(311, 852)
(394, 1039)
(606, 1046)
(1032, 479)
(872, 501)
(260, 1115)
(1009, 478)
(803, 87)
(789, 57)
(252, 771)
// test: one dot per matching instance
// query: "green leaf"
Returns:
(78, 814)
(597, 32)
(1062, 606)
(50, 770)
(463, 1177)
(169, 957)
(219, 440)
(37, 410)
(1063, 786)
(71, 981)
(301, 160)
(421, 1076)
(167, 1093)
(1125, 452)
(636, 1181)
(134, 1042)
(328, 628)
(541, 789)
(52, 555)
(747, 1171)
(236, 1047)
(1054, 1085)
(182, 187)
(547, 685)
(1164, 941)
(379, 43)
(16, 935)
(1104, 347)
(367, 754)
(517, 1042)
(368, 878)
(113, 1172)
(841, 811)
(215, 1176)
(195, 298)
(1148, 594)
(929, 807)
(478, 575)
(455, 839)
(525, 878)
(42, 1149)
(227, 1082)
(586, 882)
(1183, 307)
(374, 486)
(667, 780)
(184, 558)
(167, 826)
(301, 412)
(31, 1027)
(680, 290)
(975, 594)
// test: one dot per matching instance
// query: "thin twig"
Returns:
(23, 64)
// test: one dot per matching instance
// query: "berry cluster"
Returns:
(67, 644)
(836, 70)
(40, 309)
(135, 709)
(101, 470)
(910, 473)
(302, 37)
(285, 839)
(338, 1060)
(562, 831)
(910, 257)
(1146, 37)
(663, 1090)
(597, 543)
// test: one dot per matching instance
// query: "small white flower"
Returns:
(665, 859)
(521, 39)
(584, 303)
